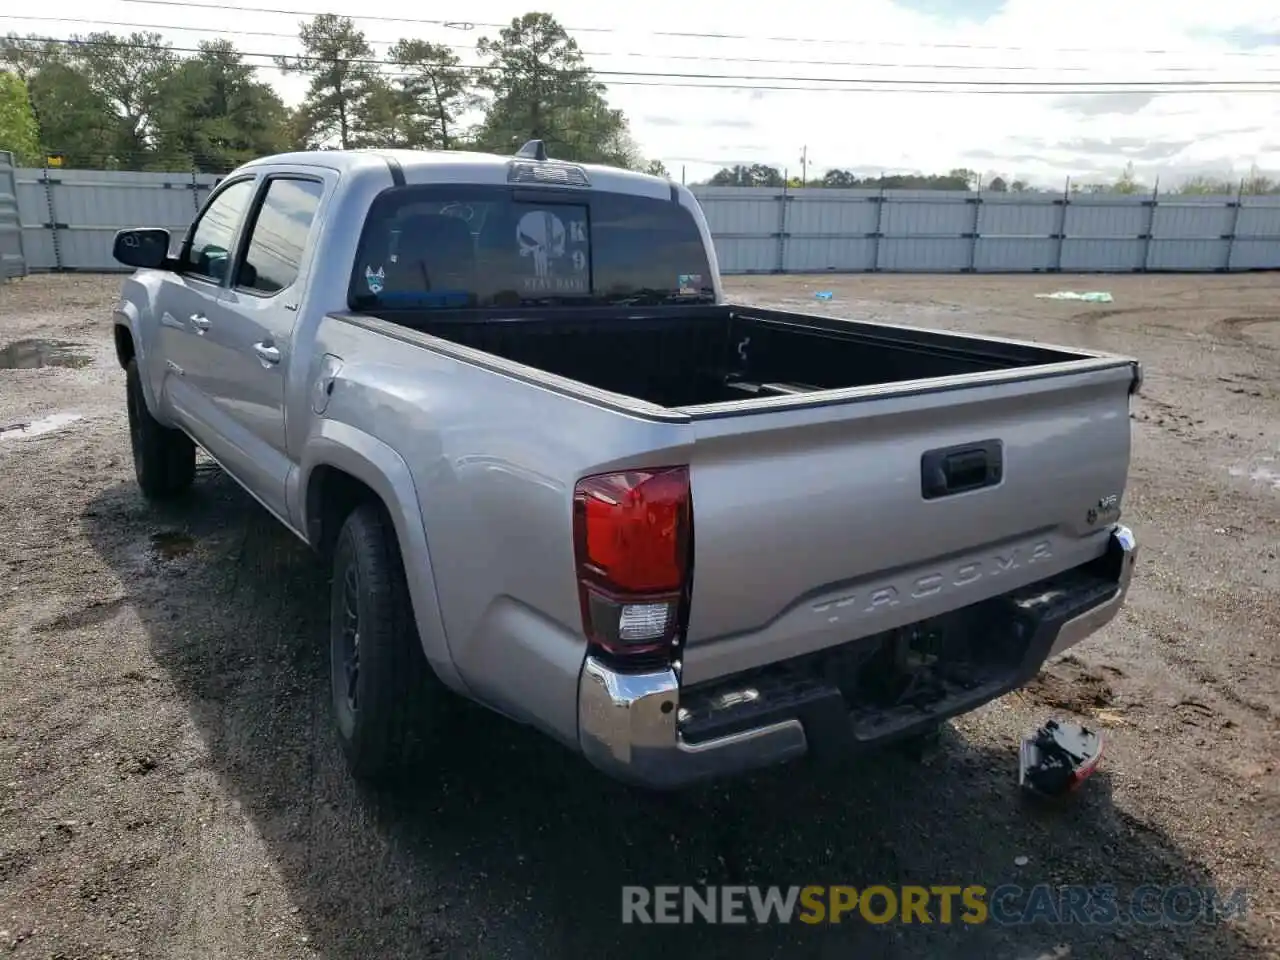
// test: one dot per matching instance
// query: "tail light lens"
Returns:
(633, 544)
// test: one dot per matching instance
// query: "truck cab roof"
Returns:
(462, 166)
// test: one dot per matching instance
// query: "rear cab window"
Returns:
(478, 246)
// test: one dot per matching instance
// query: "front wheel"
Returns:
(382, 688)
(164, 459)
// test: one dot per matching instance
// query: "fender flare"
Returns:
(378, 466)
(129, 315)
(126, 314)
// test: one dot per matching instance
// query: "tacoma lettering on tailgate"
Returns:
(962, 576)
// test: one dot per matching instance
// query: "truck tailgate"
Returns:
(819, 525)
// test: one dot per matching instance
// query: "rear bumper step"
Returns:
(644, 728)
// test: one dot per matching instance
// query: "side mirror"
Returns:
(141, 247)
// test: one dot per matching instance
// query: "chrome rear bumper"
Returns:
(628, 722)
(1077, 629)
(627, 727)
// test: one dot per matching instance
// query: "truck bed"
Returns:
(716, 354)
(848, 478)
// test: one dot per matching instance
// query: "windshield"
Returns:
(459, 246)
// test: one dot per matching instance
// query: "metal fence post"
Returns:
(876, 237)
(973, 234)
(13, 261)
(52, 224)
(1151, 206)
(783, 200)
(195, 191)
(1061, 235)
(1235, 225)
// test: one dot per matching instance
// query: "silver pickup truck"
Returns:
(555, 472)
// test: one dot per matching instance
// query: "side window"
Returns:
(279, 235)
(210, 249)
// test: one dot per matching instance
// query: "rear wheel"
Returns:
(383, 691)
(164, 459)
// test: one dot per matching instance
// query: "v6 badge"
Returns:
(1106, 511)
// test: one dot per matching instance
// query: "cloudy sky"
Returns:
(923, 85)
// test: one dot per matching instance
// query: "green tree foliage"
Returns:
(743, 175)
(18, 133)
(836, 178)
(431, 92)
(1128, 182)
(541, 88)
(383, 120)
(131, 74)
(616, 146)
(346, 104)
(1254, 182)
(130, 101)
(656, 168)
(75, 119)
(214, 114)
(26, 55)
(1208, 185)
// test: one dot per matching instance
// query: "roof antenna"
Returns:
(533, 150)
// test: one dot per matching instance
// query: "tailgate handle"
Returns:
(969, 466)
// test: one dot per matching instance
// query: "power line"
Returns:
(1272, 90)
(713, 80)
(994, 67)
(470, 25)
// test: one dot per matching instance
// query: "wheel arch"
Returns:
(128, 338)
(344, 467)
(126, 350)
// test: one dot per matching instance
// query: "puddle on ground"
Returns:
(172, 544)
(31, 354)
(1265, 472)
(33, 428)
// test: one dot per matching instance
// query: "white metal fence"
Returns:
(68, 218)
(765, 230)
(12, 261)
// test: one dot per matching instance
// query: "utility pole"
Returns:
(804, 165)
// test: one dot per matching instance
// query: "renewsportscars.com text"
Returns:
(1007, 904)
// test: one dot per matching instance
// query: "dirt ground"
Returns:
(169, 786)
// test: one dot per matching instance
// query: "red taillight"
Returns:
(632, 542)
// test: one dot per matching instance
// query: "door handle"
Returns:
(267, 353)
(200, 322)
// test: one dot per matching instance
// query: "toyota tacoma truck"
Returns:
(553, 470)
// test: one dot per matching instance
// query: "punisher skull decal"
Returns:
(541, 236)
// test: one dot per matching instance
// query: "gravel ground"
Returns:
(169, 786)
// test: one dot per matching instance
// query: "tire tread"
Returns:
(165, 458)
(397, 686)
